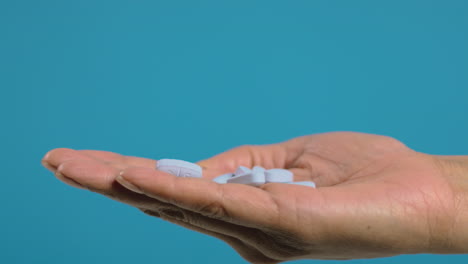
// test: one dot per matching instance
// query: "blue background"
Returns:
(189, 79)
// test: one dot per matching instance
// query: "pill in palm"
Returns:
(305, 183)
(258, 169)
(179, 168)
(223, 178)
(278, 175)
(242, 170)
(243, 175)
(251, 178)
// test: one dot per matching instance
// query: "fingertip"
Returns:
(89, 173)
(67, 180)
(48, 166)
(54, 151)
(46, 156)
(125, 183)
(56, 156)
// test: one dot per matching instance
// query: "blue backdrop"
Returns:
(189, 79)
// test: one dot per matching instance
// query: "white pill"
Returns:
(174, 170)
(179, 168)
(223, 178)
(278, 175)
(305, 183)
(242, 170)
(253, 178)
(258, 169)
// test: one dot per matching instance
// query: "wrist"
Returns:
(455, 171)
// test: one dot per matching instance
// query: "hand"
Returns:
(375, 197)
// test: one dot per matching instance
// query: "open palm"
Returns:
(375, 196)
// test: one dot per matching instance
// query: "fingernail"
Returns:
(46, 156)
(47, 165)
(127, 184)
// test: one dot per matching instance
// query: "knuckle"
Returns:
(173, 213)
(213, 209)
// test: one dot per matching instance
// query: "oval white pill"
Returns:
(242, 170)
(305, 183)
(278, 175)
(258, 169)
(254, 179)
(179, 168)
(223, 178)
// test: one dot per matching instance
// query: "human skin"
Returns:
(375, 197)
